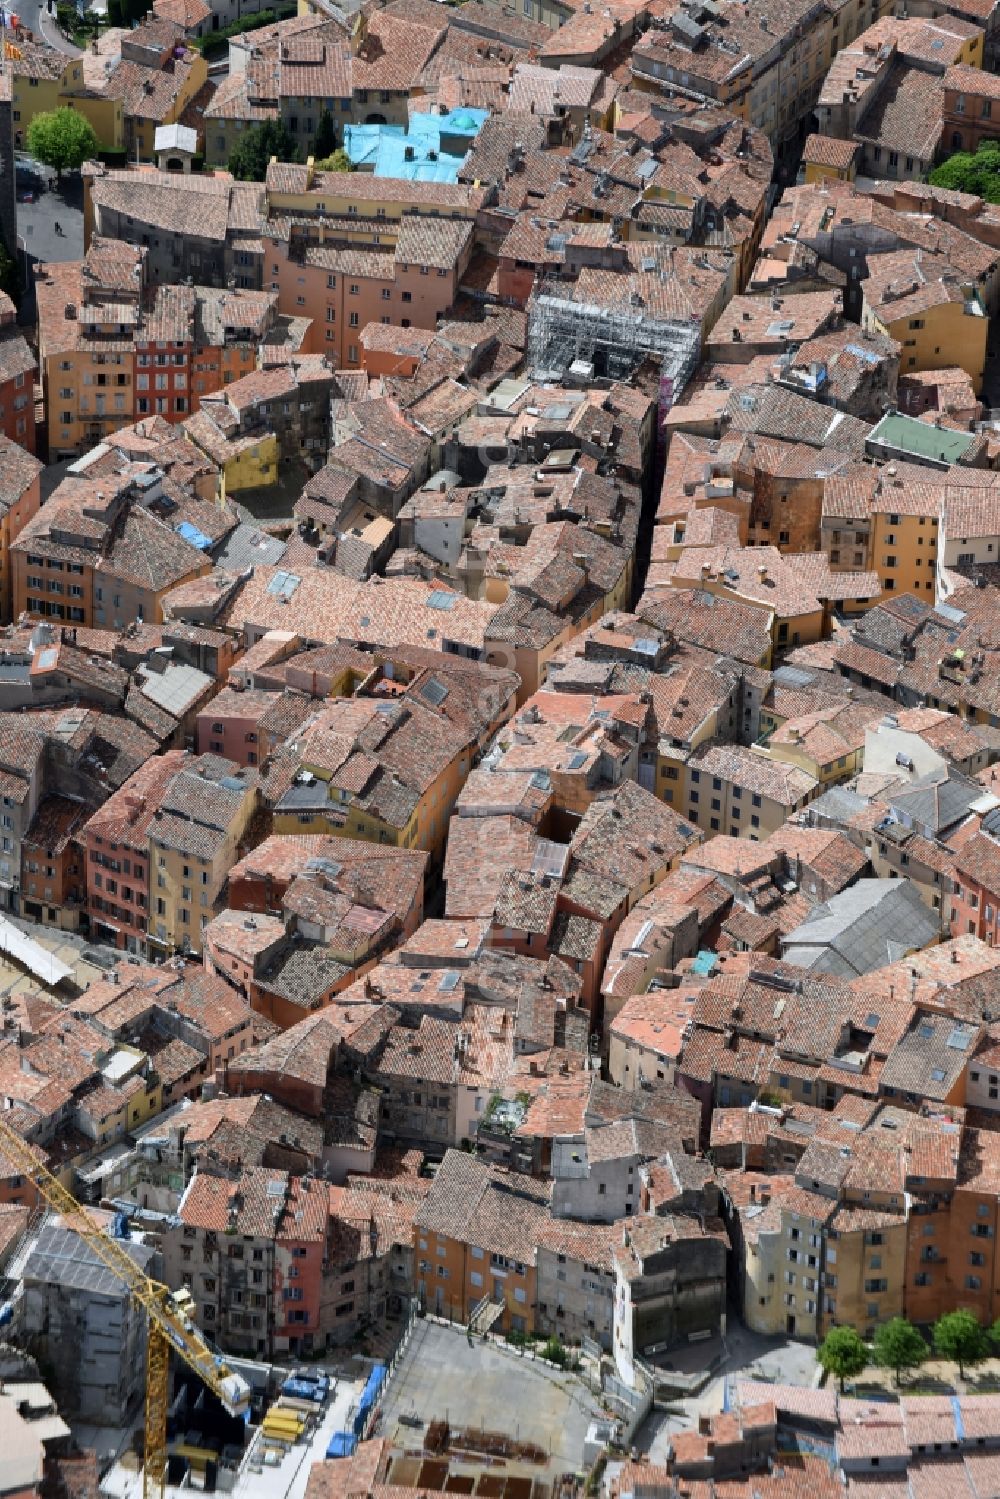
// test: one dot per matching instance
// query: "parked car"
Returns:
(28, 182)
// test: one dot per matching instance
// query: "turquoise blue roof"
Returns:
(704, 962)
(456, 122)
(416, 155)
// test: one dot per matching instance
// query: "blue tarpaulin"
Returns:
(342, 1444)
(194, 536)
(369, 1397)
(301, 1389)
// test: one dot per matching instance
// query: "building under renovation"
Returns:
(78, 1317)
(569, 338)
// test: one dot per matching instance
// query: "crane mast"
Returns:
(169, 1328)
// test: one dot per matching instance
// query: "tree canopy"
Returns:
(898, 1346)
(325, 139)
(255, 147)
(959, 1338)
(842, 1353)
(337, 161)
(63, 139)
(972, 172)
(126, 12)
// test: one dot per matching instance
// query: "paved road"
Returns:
(36, 222)
(35, 16)
(778, 1360)
(36, 234)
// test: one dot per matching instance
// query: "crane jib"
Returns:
(167, 1329)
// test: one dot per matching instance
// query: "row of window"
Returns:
(53, 610)
(54, 563)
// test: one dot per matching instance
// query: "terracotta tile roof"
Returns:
(784, 784)
(187, 13)
(976, 82)
(393, 53)
(906, 115)
(304, 1052)
(480, 850)
(776, 321)
(480, 1205)
(828, 151)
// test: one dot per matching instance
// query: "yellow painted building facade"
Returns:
(251, 468)
(864, 1275)
(949, 333)
(904, 541)
(425, 828)
(185, 885)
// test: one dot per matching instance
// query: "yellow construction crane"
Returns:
(169, 1326)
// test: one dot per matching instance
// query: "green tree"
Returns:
(842, 1353)
(898, 1346)
(972, 172)
(338, 161)
(325, 139)
(959, 1338)
(255, 147)
(63, 139)
(555, 1352)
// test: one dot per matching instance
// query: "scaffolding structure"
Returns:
(608, 342)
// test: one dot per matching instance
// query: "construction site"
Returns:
(571, 340)
(475, 1417)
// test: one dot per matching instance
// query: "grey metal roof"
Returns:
(175, 689)
(837, 805)
(794, 676)
(306, 795)
(936, 802)
(865, 927)
(249, 546)
(61, 1257)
